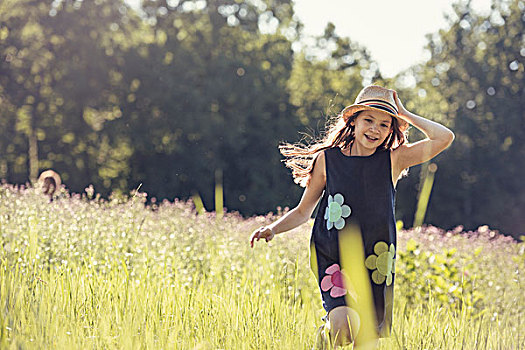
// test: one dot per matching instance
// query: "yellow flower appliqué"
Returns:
(382, 262)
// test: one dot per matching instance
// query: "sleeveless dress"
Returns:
(359, 194)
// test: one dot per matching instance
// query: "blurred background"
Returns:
(181, 97)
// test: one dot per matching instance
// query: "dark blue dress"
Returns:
(359, 193)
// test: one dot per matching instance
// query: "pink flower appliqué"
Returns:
(334, 281)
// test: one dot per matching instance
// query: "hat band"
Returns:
(380, 104)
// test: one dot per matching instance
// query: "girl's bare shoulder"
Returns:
(319, 168)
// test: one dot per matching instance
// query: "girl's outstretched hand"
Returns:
(262, 232)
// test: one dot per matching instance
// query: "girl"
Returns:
(357, 165)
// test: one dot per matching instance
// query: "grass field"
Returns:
(83, 273)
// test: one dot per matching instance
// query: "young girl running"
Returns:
(357, 166)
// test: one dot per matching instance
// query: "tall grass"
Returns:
(424, 193)
(79, 273)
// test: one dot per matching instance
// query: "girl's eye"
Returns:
(384, 125)
(368, 120)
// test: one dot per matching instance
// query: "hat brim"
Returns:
(353, 109)
(52, 174)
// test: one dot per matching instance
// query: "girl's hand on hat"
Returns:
(403, 112)
(262, 232)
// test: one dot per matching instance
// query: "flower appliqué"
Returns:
(382, 262)
(333, 281)
(336, 212)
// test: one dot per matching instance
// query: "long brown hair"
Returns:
(339, 133)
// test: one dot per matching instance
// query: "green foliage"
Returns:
(78, 273)
(164, 99)
(520, 257)
(444, 277)
(473, 82)
(167, 94)
(326, 75)
(60, 84)
(239, 108)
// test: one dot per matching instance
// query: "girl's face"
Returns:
(372, 128)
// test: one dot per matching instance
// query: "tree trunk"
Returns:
(33, 157)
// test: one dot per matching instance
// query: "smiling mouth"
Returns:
(371, 138)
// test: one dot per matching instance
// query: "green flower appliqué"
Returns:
(383, 263)
(336, 212)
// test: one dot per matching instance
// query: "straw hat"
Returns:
(376, 98)
(50, 174)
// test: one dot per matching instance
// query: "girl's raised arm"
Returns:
(438, 138)
(302, 212)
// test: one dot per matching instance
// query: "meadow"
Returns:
(85, 273)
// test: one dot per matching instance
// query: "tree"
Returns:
(326, 75)
(60, 80)
(477, 70)
(212, 97)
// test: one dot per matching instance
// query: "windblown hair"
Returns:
(50, 186)
(340, 133)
